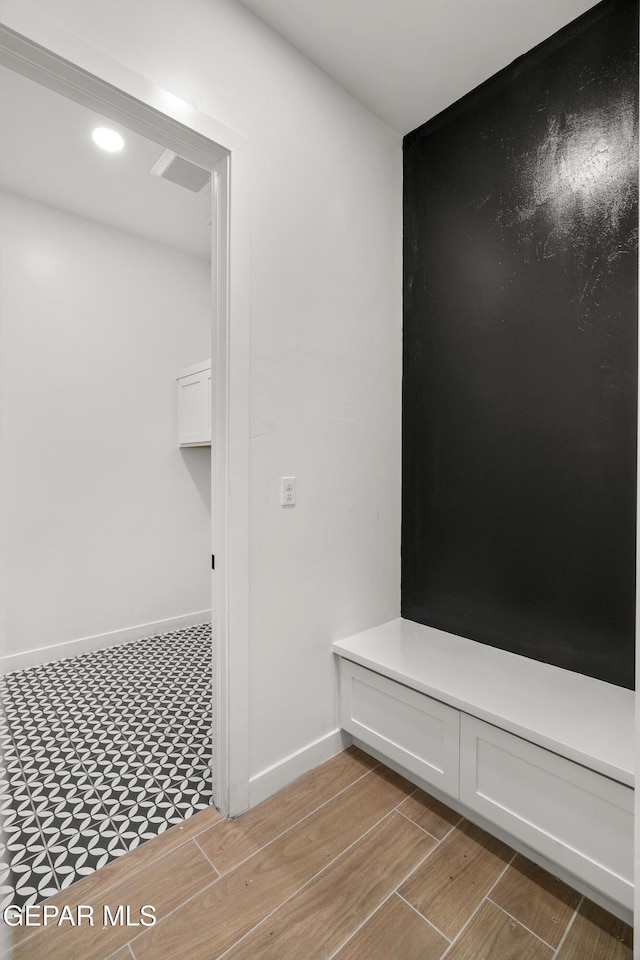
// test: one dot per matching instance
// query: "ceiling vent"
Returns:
(189, 175)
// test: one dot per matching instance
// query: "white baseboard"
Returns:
(59, 651)
(274, 778)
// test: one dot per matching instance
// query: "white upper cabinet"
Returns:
(194, 405)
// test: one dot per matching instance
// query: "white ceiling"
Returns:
(408, 59)
(47, 154)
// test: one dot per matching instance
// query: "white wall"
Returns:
(105, 522)
(325, 289)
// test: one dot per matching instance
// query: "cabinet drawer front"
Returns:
(578, 818)
(410, 728)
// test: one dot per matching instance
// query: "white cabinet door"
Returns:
(194, 408)
(576, 817)
(408, 727)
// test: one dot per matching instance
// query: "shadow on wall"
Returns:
(197, 460)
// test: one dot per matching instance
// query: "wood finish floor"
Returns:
(349, 862)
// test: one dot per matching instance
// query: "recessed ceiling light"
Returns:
(107, 139)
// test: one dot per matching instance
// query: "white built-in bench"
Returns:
(543, 757)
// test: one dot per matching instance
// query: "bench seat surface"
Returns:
(586, 720)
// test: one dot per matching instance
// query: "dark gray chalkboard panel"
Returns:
(520, 346)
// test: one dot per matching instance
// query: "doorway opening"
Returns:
(114, 103)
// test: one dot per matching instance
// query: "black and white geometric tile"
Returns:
(99, 753)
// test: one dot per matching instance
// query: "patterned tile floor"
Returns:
(99, 753)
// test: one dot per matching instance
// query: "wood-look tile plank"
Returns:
(450, 885)
(96, 884)
(5, 943)
(493, 934)
(235, 840)
(430, 814)
(320, 918)
(596, 935)
(214, 920)
(165, 884)
(537, 899)
(395, 931)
